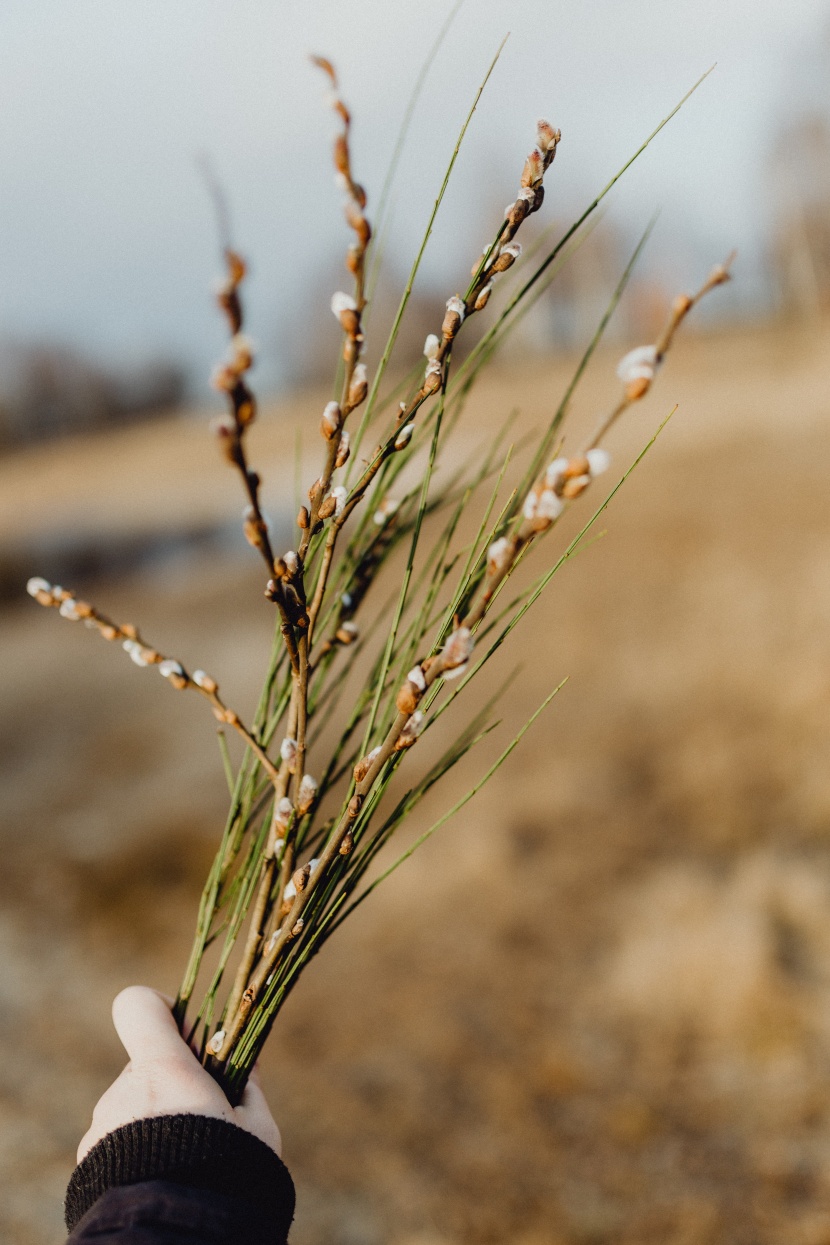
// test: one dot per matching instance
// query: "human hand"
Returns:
(164, 1077)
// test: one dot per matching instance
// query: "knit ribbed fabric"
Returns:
(192, 1150)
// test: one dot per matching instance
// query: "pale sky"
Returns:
(106, 234)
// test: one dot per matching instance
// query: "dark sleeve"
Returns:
(176, 1179)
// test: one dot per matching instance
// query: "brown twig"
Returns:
(143, 654)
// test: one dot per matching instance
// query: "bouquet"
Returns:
(386, 609)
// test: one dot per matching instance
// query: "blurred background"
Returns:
(597, 1007)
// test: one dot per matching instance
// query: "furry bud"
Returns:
(343, 449)
(69, 609)
(555, 473)
(404, 436)
(359, 386)
(283, 811)
(547, 137)
(575, 485)
(454, 317)
(639, 364)
(433, 377)
(338, 496)
(307, 794)
(431, 346)
(411, 731)
(344, 308)
(598, 461)
(169, 668)
(288, 752)
(498, 556)
(38, 588)
(549, 506)
(331, 421)
(457, 649)
(534, 168)
(507, 257)
(483, 296)
(365, 764)
(205, 681)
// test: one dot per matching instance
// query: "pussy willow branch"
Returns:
(230, 378)
(143, 654)
(498, 257)
(568, 478)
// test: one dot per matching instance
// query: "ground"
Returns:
(596, 1007)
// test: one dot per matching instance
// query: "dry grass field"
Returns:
(596, 1008)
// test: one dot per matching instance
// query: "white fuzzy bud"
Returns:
(404, 436)
(339, 496)
(312, 864)
(529, 508)
(169, 667)
(527, 193)
(483, 296)
(292, 562)
(431, 346)
(68, 609)
(307, 793)
(456, 671)
(512, 248)
(283, 811)
(456, 305)
(549, 505)
(498, 555)
(555, 473)
(342, 302)
(457, 649)
(36, 585)
(638, 364)
(274, 939)
(359, 386)
(331, 421)
(343, 449)
(412, 729)
(215, 1043)
(136, 652)
(204, 681)
(288, 752)
(547, 136)
(599, 461)
(290, 891)
(417, 678)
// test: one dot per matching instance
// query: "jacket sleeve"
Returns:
(179, 1179)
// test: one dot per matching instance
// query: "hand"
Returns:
(164, 1077)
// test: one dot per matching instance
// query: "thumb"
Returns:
(145, 1025)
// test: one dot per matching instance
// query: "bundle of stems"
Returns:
(308, 819)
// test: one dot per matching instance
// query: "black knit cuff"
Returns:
(192, 1150)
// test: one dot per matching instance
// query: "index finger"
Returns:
(144, 1023)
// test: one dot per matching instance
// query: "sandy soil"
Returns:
(597, 1007)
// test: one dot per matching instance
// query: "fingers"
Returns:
(145, 1025)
